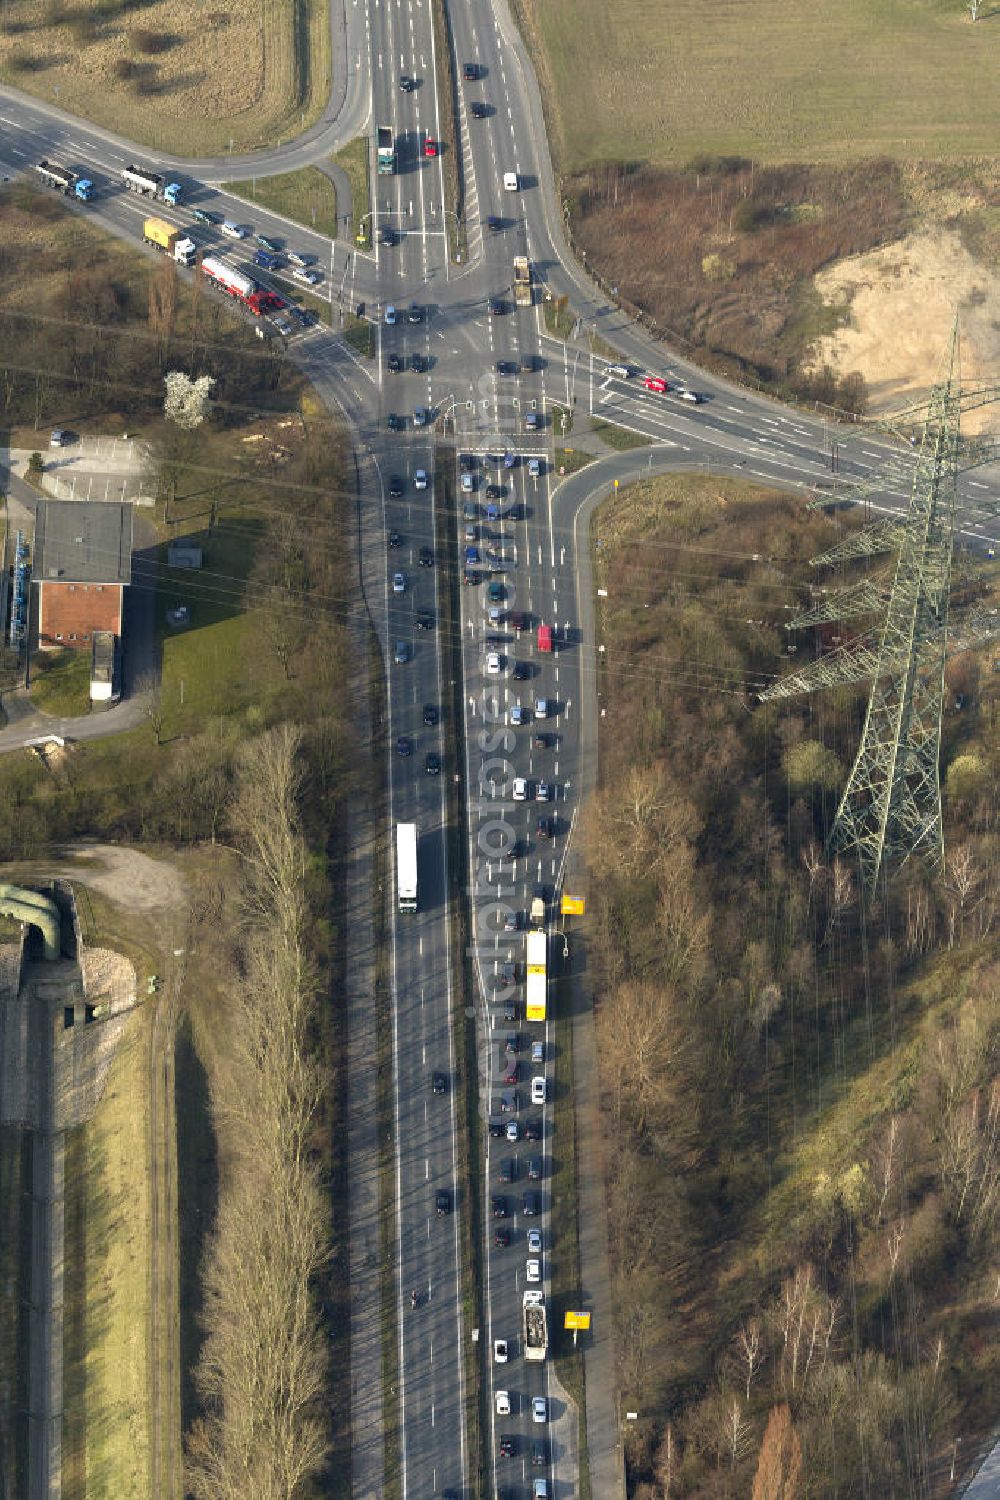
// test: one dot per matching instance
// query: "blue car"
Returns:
(471, 557)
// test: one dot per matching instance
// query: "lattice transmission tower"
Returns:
(891, 806)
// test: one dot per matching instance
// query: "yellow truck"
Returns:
(522, 281)
(170, 240)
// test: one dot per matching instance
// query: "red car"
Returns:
(430, 146)
(656, 383)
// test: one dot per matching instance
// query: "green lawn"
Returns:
(776, 81)
(306, 197)
(60, 683)
(354, 160)
(618, 437)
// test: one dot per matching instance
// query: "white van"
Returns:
(233, 231)
(510, 182)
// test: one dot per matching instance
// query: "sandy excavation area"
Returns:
(903, 299)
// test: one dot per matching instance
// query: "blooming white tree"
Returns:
(187, 401)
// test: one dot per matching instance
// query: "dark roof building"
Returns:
(82, 565)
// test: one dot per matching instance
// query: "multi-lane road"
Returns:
(449, 359)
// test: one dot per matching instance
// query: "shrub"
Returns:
(123, 68)
(151, 42)
(35, 464)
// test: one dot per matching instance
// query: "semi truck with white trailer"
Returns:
(536, 1331)
(406, 866)
(536, 981)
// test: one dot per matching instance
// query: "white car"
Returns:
(539, 1408)
(544, 791)
(309, 278)
(691, 396)
(399, 583)
(533, 1270)
(538, 1091)
(500, 1351)
(390, 316)
(534, 1242)
(517, 716)
(493, 664)
(534, 467)
(510, 182)
(297, 259)
(512, 1131)
(420, 479)
(520, 789)
(622, 371)
(468, 484)
(503, 1403)
(233, 231)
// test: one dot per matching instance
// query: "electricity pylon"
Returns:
(891, 806)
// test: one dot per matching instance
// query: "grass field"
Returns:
(306, 197)
(188, 79)
(61, 683)
(354, 160)
(777, 81)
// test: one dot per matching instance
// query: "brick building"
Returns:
(82, 566)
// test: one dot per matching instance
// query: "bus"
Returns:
(406, 866)
(536, 985)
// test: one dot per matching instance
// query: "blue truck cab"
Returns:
(84, 189)
(173, 193)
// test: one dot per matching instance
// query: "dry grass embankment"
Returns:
(190, 79)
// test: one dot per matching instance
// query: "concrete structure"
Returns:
(83, 564)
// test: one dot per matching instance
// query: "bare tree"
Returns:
(751, 1346)
(149, 690)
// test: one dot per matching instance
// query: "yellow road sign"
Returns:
(577, 1320)
(573, 906)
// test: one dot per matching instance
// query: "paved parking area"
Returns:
(90, 468)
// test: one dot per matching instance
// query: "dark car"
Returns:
(534, 1169)
(426, 557)
(494, 223)
(544, 828)
(395, 540)
(470, 576)
(529, 1205)
(522, 671)
(395, 487)
(508, 1169)
(533, 1130)
(499, 1208)
(442, 1201)
(395, 424)
(415, 314)
(202, 216)
(406, 83)
(497, 307)
(539, 1455)
(518, 620)
(430, 714)
(470, 72)
(425, 619)
(496, 1130)
(418, 364)
(404, 745)
(496, 491)
(510, 1009)
(506, 1447)
(506, 367)
(512, 1044)
(496, 592)
(542, 741)
(387, 237)
(501, 1238)
(432, 764)
(480, 110)
(394, 364)
(508, 973)
(440, 1084)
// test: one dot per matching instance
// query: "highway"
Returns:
(450, 360)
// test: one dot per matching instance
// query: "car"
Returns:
(496, 491)
(508, 970)
(430, 146)
(304, 316)
(492, 513)
(283, 326)
(506, 367)
(415, 314)
(543, 828)
(202, 216)
(431, 715)
(399, 583)
(406, 83)
(298, 259)
(496, 1129)
(390, 316)
(541, 708)
(439, 1083)
(468, 483)
(471, 557)
(539, 1455)
(499, 1207)
(494, 223)
(470, 72)
(497, 307)
(517, 716)
(420, 479)
(534, 467)
(387, 236)
(233, 231)
(544, 792)
(266, 243)
(425, 619)
(418, 364)
(432, 763)
(496, 590)
(510, 921)
(395, 487)
(510, 1008)
(534, 1242)
(500, 1351)
(538, 1051)
(470, 510)
(404, 745)
(511, 1131)
(394, 423)
(58, 437)
(534, 1169)
(442, 1201)
(479, 110)
(494, 664)
(510, 182)
(394, 364)
(520, 788)
(531, 421)
(686, 395)
(394, 539)
(533, 1270)
(542, 742)
(533, 1130)
(507, 1447)
(621, 371)
(538, 1090)
(501, 1238)
(503, 1403)
(540, 1489)
(656, 383)
(510, 459)
(507, 1170)
(426, 557)
(470, 576)
(522, 671)
(420, 416)
(512, 1044)
(539, 1409)
(401, 652)
(529, 1205)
